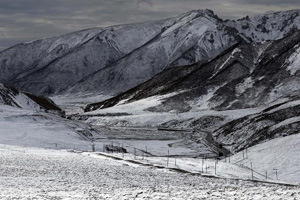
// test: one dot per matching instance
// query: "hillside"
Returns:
(114, 59)
(35, 121)
(260, 80)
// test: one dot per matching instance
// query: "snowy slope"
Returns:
(64, 175)
(269, 26)
(243, 76)
(34, 121)
(239, 96)
(11, 97)
(281, 154)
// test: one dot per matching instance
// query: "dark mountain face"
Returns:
(114, 59)
(244, 76)
(280, 120)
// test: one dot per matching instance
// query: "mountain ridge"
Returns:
(107, 57)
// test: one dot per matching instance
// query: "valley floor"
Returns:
(28, 173)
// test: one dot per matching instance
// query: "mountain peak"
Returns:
(203, 12)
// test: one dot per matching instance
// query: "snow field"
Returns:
(280, 153)
(50, 174)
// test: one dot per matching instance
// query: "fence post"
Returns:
(93, 147)
(266, 175)
(276, 173)
(168, 158)
(216, 167)
(118, 147)
(251, 171)
(202, 164)
(134, 153)
(56, 146)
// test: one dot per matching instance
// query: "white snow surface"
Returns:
(139, 116)
(280, 153)
(54, 174)
(38, 129)
(294, 62)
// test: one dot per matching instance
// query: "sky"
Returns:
(27, 20)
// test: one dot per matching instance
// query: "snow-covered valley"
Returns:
(190, 107)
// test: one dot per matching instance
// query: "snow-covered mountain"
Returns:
(213, 83)
(246, 75)
(36, 121)
(12, 97)
(113, 59)
(192, 62)
(258, 76)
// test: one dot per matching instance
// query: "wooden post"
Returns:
(118, 147)
(216, 167)
(251, 171)
(276, 170)
(93, 147)
(266, 175)
(122, 151)
(134, 153)
(202, 164)
(56, 146)
(168, 158)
